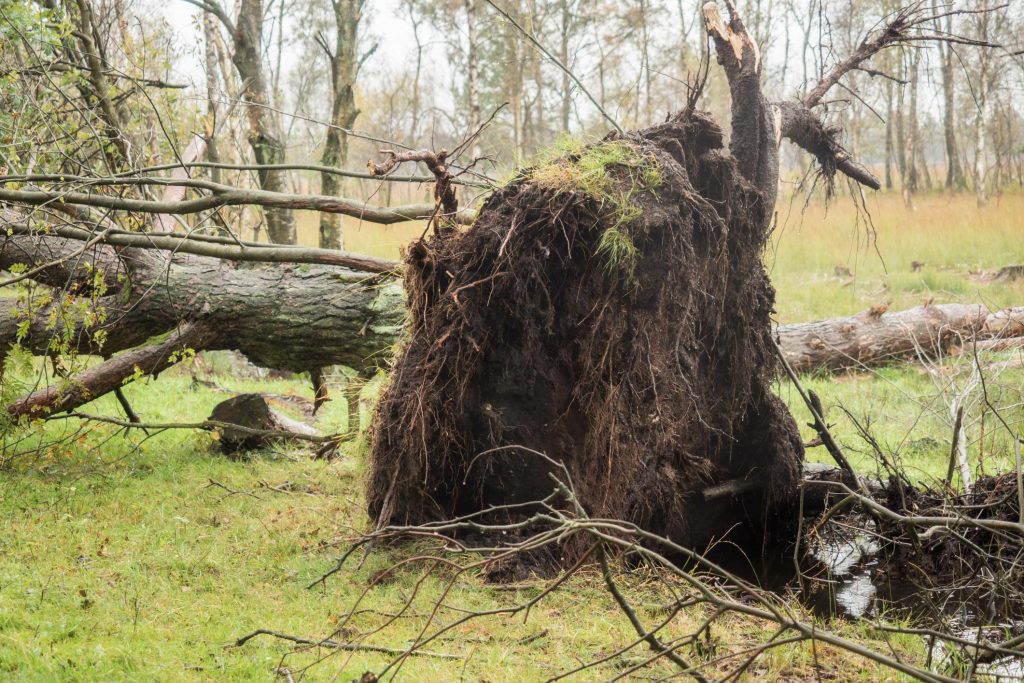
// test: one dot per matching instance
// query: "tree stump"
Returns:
(260, 425)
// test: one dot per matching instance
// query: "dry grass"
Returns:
(958, 243)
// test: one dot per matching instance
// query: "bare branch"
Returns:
(223, 195)
(898, 30)
(446, 205)
(109, 375)
(244, 251)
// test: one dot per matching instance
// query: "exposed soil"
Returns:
(649, 387)
(972, 564)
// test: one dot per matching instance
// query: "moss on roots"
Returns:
(613, 173)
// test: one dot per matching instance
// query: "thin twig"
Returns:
(335, 645)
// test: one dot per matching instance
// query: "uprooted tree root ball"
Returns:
(609, 309)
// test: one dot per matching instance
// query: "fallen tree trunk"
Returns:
(289, 317)
(873, 337)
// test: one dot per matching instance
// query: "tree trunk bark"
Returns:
(213, 93)
(981, 120)
(913, 177)
(889, 113)
(954, 170)
(565, 105)
(472, 68)
(344, 65)
(264, 138)
(290, 317)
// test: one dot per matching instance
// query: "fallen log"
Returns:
(877, 337)
(298, 317)
(292, 317)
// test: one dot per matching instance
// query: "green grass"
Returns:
(961, 245)
(121, 561)
(144, 559)
(905, 409)
(142, 570)
(619, 252)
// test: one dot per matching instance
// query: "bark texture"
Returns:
(290, 317)
(264, 137)
(344, 64)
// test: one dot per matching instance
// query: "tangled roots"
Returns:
(619, 324)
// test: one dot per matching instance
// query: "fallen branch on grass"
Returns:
(335, 645)
(524, 532)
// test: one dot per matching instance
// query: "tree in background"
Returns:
(345, 59)
(264, 133)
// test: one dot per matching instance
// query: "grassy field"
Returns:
(958, 243)
(145, 558)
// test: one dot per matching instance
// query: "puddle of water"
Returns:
(949, 657)
(846, 585)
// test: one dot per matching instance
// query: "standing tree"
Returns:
(344, 61)
(264, 134)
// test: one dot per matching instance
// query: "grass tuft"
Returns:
(619, 252)
(612, 173)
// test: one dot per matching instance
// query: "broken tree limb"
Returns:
(446, 205)
(910, 24)
(111, 374)
(205, 425)
(820, 426)
(798, 121)
(232, 250)
(350, 647)
(220, 195)
(754, 141)
(873, 338)
(758, 126)
(802, 127)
